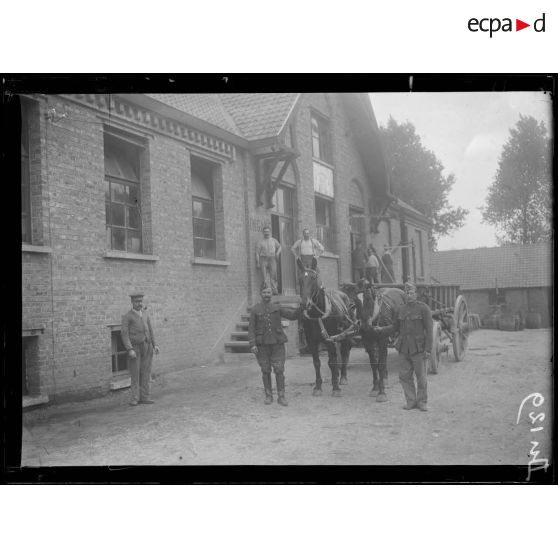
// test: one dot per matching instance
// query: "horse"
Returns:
(378, 308)
(328, 318)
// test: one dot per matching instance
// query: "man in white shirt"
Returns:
(307, 248)
(268, 251)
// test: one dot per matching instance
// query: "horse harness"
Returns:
(333, 302)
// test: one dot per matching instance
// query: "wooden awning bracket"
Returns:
(266, 163)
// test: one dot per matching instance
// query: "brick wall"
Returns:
(191, 303)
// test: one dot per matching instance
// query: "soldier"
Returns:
(137, 336)
(267, 341)
(414, 327)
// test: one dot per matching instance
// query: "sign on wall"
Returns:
(323, 179)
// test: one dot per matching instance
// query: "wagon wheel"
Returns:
(435, 350)
(460, 330)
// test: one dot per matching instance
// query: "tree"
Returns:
(417, 178)
(519, 202)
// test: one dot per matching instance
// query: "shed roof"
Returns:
(518, 266)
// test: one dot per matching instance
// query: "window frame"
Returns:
(320, 133)
(420, 243)
(115, 338)
(205, 171)
(110, 203)
(325, 232)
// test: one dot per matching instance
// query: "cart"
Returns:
(451, 320)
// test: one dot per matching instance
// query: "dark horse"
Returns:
(378, 310)
(329, 318)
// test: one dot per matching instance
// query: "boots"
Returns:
(267, 388)
(280, 378)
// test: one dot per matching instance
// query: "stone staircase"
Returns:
(237, 348)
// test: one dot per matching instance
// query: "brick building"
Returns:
(168, 194)
(517, 278)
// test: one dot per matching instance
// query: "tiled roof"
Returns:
(259, 115)
(206, 106)
(249, 115)
(512, 266)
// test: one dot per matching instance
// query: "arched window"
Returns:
(122, 194)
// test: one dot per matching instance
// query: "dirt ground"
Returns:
(216, 416)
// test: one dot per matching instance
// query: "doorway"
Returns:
(282, 229)
(358, 233)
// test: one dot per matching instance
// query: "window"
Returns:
(25, 176)
(122, 194)
(283, 201)
(421, 253)
(203, 209)
(119, 353)
(321, 148)
(496, 296)
(324, 223)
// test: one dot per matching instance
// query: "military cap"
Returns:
(136, 295)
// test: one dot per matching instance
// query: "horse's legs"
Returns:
(333, 366)
(382, 365)
(315, 350)
(374, 366)
(345, 353)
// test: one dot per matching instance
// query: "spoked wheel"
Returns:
(460, 328)
(435, 350)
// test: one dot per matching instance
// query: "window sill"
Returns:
(33, 400)
(330, 255)
(324, 163)
(120, 382)
(118, 255)
(208, 261)
(36, 249)
(32, 331)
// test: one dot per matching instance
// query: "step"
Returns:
(237, 345)
(245, 317)
(242, 325)
(239, 335)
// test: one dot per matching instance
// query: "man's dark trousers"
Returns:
(272, 357)
(140, 371)
(413, 364)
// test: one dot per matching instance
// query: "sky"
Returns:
(466, 131)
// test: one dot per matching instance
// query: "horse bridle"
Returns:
(353, 326)
(325, 313)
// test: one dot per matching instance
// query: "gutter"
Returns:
(180, 116)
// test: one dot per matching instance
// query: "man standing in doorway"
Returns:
(372, 265)
(306, 248)
(359, 258)
(137, 337)
(414, 327)
(267, 341)
(268, 251)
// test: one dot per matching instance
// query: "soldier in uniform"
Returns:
(138, 338)
(414, 328)
(267, 341)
